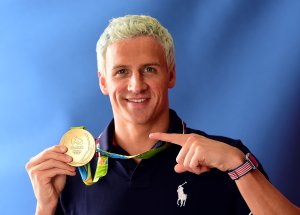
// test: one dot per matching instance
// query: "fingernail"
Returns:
(151, 135)
(63, 148)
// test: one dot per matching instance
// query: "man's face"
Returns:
(137, 80)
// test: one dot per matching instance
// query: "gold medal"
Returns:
(81, 146)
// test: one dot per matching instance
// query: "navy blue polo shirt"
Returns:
(152, 186)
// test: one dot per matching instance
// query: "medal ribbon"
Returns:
(102, 163)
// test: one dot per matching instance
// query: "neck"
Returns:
(134, 138)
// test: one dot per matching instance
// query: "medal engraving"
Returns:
(80, 144)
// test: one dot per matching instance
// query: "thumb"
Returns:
(179, 168)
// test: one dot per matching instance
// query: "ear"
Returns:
(102, 83)
(172, 77)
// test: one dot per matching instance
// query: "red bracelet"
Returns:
(250, 164)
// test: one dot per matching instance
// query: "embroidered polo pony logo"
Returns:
(181, 195)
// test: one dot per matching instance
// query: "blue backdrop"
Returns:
(238, 75)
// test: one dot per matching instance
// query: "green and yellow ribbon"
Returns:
(102, 163)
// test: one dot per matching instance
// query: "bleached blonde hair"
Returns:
(130, 26)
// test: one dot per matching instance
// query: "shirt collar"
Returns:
(176, 125)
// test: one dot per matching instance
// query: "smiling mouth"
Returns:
(137, 100)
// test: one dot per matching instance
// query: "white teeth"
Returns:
(137, 100)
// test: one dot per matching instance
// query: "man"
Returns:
(136, 68)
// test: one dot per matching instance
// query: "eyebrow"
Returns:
(119, 66)
(126, 66)
(151, 64)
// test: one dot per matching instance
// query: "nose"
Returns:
(136, 83)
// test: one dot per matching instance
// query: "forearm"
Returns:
(262, 197)
(48, 209)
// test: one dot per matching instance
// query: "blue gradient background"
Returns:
(238, 73)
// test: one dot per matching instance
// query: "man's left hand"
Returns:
(198, 153)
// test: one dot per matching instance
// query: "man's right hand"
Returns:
(47, 172)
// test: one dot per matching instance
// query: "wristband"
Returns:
(250, 164)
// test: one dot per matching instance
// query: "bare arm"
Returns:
(47, 172)
(262, 197)
(198, 154)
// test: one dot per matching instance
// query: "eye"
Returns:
(149, 70)
(121, 72)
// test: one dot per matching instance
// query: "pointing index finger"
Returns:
(178, 139)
